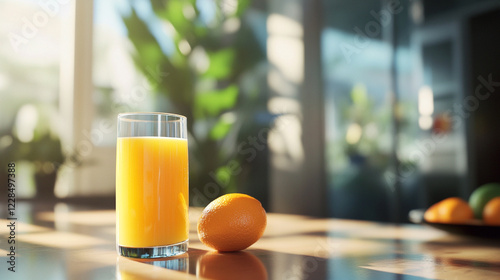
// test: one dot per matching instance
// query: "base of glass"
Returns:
(153, 252)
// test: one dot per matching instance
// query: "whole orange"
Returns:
(491, 212)
(452, 210)
(232, 222)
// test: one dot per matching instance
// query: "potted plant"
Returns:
(38, 144)
(46, 154)
(203, 78)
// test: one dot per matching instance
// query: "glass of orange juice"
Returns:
(152, 185)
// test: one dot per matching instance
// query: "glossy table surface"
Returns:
(64, 241)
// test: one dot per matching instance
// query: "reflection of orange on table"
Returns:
(236, 265)
(151, 191)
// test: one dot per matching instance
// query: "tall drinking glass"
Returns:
(151, 185)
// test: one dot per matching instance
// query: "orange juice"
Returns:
(151, 191)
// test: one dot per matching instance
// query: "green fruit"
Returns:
(481, 196)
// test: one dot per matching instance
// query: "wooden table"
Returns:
(64, 241)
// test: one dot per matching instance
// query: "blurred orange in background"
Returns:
(452, 210)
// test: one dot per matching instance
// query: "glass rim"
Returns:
(125, 115)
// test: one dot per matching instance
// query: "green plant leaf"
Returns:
(221, 64)
(214, 102)
(220, 129)
(359, 95)
(176, 16)
(159, 7)
(225, 175)
(149, 54)
(242, 7)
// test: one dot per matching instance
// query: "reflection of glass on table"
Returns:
(128, 269)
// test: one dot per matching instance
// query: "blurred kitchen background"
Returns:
(357, 109)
